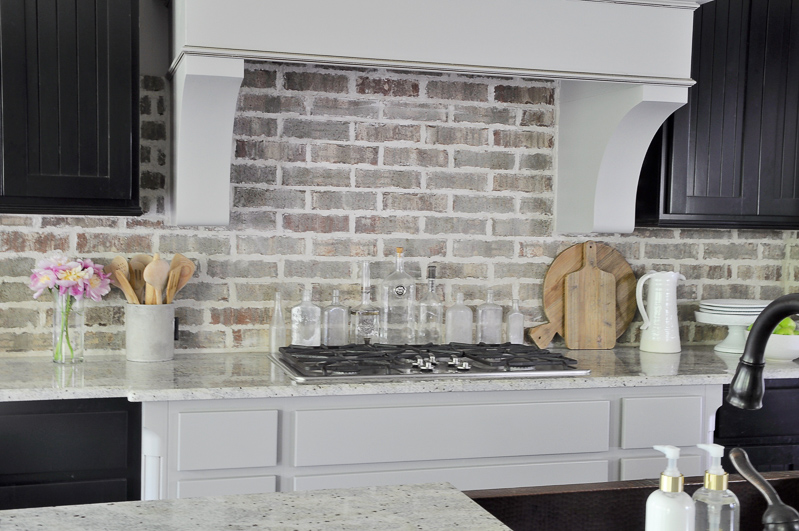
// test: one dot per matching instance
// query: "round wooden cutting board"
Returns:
(569, 261)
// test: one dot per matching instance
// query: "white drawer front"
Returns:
(675, 420)
(380, 435)
(468, 478)
(210, 440)
(651, 467)
(193, 488)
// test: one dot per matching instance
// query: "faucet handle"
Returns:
(778, 516)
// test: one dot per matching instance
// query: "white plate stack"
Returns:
(735, 314)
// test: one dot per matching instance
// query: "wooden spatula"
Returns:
(589, 305)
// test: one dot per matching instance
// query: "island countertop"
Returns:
(426, 507)
(249, 374)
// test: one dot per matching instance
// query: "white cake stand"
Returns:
(736, 326)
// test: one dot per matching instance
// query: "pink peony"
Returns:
(72, 277)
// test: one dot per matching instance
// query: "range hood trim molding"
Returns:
(360, 62)
(208, 70)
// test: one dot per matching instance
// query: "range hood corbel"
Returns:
(604, 132)
(205, 93)
(624, 66)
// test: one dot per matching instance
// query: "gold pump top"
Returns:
(716, 481)
(671, 483)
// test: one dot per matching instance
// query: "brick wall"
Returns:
(333, 166)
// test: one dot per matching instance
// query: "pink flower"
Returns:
(42, 279)
(70, 277)
(97, 284)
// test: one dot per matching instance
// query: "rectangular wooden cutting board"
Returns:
(589, 305)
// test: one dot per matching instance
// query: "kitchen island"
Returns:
(235, 423)
(427, 507)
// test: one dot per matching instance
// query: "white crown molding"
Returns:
(678, 4)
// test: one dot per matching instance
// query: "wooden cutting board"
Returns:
(569, 261)
(589, 305)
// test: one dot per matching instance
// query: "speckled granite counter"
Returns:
(428, 507)
(252, 375)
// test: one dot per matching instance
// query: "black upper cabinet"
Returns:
(70, 118)
(729, 157)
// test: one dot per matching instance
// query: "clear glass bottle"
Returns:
(306, 319)
(515, 325)
(717, 507)
(398, 305)
(277, 329)
(460, 319)
(365, 318)
(335, 323)
(431, 313)
(489, 321)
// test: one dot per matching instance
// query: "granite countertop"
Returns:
(240, 374)
(428, 507)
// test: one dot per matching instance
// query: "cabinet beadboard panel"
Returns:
(381, 435)
(69, 106)
(730, 156)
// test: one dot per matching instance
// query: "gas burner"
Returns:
(383, 361)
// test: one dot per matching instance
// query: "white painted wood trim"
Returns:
(646, 43)
(650, 467)
(213, 440)
(607, 38)
(206, 91)
(468, 477)
(381, 435)
(675, 420)
(604, 132)
(194, 488)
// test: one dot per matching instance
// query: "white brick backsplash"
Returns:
(336, 165)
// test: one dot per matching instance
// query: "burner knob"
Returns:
(454, 361)
(425, 365)
(463, 366)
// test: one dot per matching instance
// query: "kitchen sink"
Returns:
(618, 505)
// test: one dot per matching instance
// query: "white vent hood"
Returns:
(624, 67)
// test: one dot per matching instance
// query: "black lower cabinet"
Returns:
(65, 452)
(770, 435)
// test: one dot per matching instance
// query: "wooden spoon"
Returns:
(137, 279)
(124, 285)
(141, 258)
(118, 264)
(172, 284)
(155, 275)
(137, 265)
(187, 269)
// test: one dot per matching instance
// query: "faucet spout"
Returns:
(746, 388)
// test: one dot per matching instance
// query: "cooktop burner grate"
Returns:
(382, 361)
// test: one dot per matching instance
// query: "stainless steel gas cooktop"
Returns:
(390, 362)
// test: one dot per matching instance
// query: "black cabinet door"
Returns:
(60, 452)
(729, 156)
(69, 82)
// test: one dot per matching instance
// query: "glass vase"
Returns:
(68, 320)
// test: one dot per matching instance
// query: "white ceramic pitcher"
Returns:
(661, 329)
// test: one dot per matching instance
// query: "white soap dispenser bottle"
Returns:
(670, 508)
(717, 507)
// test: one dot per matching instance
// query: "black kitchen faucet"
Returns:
(746, 392)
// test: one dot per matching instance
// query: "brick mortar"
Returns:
(262, 229)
